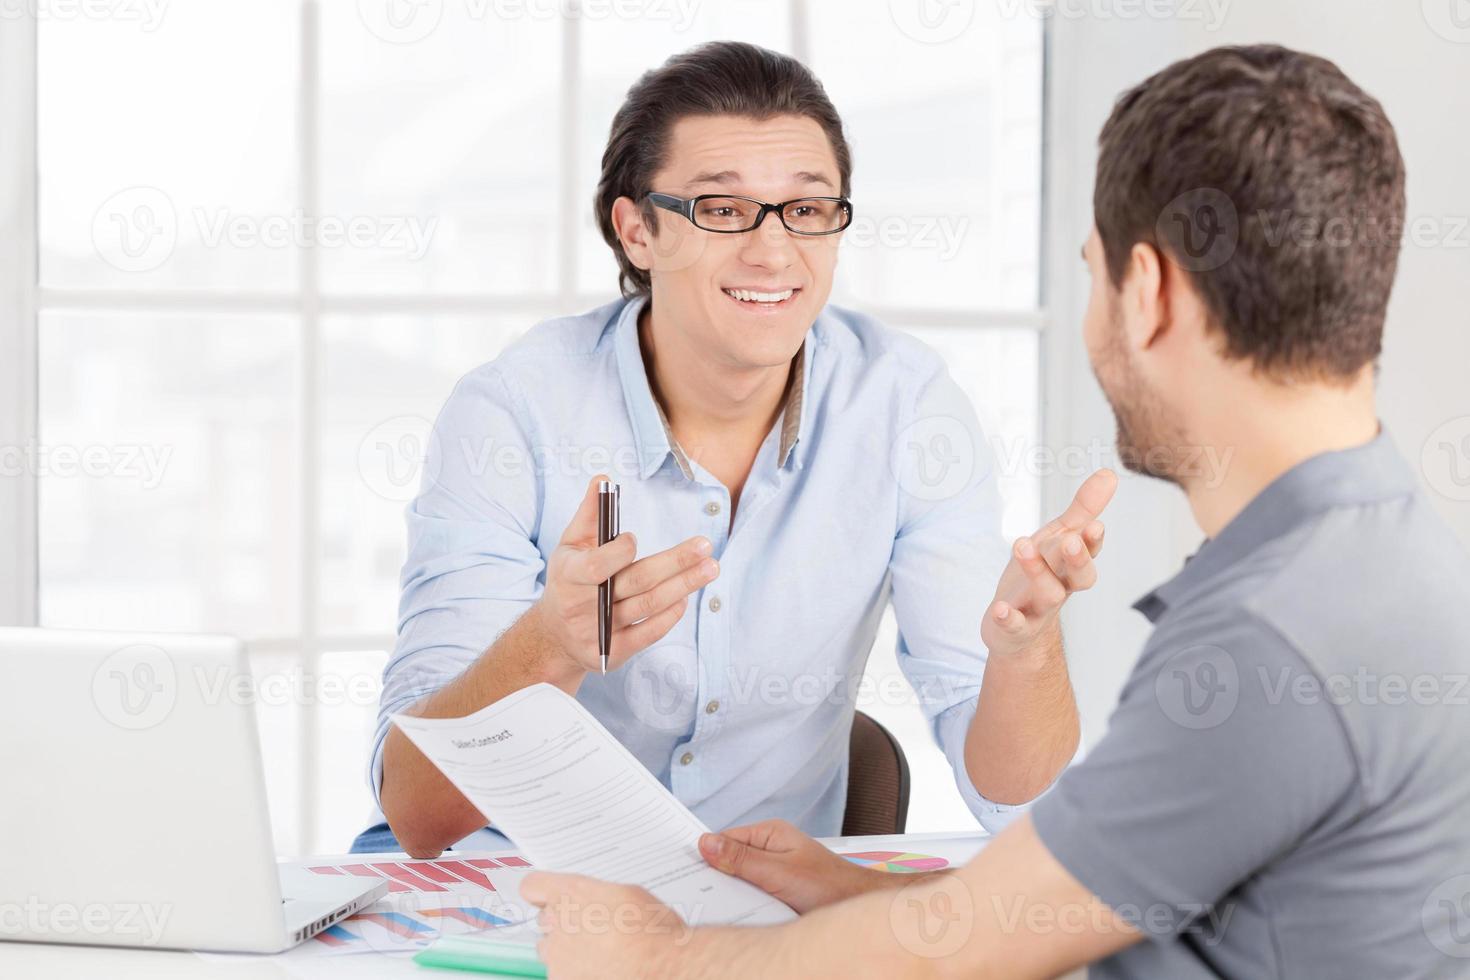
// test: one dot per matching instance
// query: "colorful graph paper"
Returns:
(425, 876)
(428, 899)
(899, 862)
(401, 925)
(470, 916)
(337, 937)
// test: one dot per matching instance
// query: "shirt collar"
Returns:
(1366, 473)
(652, 437)
(793, 416)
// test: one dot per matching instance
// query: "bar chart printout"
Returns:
(426, 900)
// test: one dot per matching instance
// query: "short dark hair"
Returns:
(1283, 152)
(718, 78)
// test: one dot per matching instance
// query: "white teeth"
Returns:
(750, 296)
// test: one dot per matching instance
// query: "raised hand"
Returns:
(1047, 567)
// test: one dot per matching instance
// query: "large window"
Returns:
(273, 234)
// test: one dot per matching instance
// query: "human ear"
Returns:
(1145, 296)
(633, 232)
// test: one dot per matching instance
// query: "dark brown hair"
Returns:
(1290, 177)
(718, 78)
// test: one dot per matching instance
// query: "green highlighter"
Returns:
(483, 955)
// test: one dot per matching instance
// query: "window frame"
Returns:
(18, 319)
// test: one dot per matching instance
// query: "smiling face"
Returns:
(743, 300)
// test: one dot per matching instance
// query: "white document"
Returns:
(573, 799)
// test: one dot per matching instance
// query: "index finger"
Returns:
(1088, 503)
(593, 566)
(582, 528)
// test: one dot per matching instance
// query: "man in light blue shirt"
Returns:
(787, 469)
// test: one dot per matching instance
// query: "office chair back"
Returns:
(877, 781)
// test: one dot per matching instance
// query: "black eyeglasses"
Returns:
(727, 215)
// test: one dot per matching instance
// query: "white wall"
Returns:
(1422, 77)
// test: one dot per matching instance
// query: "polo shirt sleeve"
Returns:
(1214, 765)
(473, 566)
(947, 558)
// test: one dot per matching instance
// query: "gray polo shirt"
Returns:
(1284, 787)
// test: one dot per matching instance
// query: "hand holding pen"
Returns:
(647, 595)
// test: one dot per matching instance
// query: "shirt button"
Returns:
(712, 707)
(712, 508)
(714, 603)
(686, 758)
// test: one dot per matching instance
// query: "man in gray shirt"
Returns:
(1282, 791)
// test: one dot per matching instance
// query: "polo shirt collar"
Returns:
(1362, 474)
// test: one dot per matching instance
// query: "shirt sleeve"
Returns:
(473, 565)
(1209, 770)
(947, 559)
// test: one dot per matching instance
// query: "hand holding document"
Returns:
(575, 800)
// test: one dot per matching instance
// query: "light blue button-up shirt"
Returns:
(877, 485)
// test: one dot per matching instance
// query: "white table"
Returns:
(33, 961)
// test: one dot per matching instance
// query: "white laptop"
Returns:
(134, 809)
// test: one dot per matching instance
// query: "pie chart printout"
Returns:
(899, 862)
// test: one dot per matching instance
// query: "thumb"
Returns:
(1010, 620)
(736, 857)
(583, 527)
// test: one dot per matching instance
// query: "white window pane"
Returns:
(999, 369)
(168, 475)
(278, 721)
(440, 131)
(386, 378)
(166, 148)
(345, 689)
(616, 51)
(946, 142)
